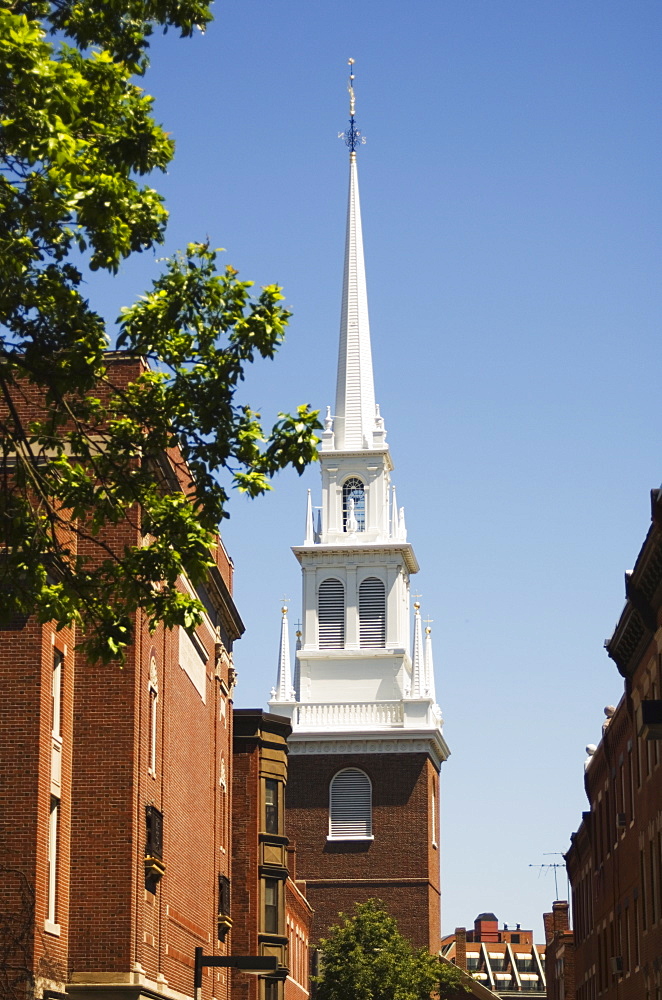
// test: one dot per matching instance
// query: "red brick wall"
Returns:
(109, 923)
(26, 672)
(399, 866)
(605, 860)
(245, 870)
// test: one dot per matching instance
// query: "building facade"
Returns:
(115, 826)
(615, 858)
(560, 953)
(270, 914)
(504, 960)
(366, 745)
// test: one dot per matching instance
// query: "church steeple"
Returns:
(355, 671)
(355, 391)
(366, 731)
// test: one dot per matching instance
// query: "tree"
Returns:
(76, 139)
(366, 958)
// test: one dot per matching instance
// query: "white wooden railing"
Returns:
(352, 715)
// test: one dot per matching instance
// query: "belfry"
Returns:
(367, 743)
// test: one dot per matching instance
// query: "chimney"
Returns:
(486, 927)
(548, 922)
(560, 915)
(461, 948)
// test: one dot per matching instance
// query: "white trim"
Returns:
(336, 839)
(350, 805)
(52, 928)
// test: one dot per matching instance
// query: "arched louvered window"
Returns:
(353, 501)
(331, 614)
(350, 805)
(372, 613)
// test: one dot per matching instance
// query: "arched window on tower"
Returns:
(353, 502)
(350, 805)
(331, 614)
(372, 612)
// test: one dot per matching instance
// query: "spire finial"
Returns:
(350, 87)
(351, 135)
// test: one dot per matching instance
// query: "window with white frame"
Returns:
(331, 614)
(153, 714)
(350, 805)
(372, 612)
(51, 888)
(56, 704)
(353, 505)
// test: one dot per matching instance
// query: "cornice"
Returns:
(413, 741)
(326, 457)
(360, 549)
(643, 591)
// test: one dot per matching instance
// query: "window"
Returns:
(331, 614)
(154, 829)
(271, 905)
(434, 819)
(224, 921)
(350, 805)
(271, 806)
(271, 989)
(51, 901)
(153, 717)
(56, 705)
(353, 505)
(372, 612)
(223, 895)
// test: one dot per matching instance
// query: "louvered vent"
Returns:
(331, 614)
(372, 612)
(350, 805)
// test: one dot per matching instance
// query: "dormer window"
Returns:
(353, 505)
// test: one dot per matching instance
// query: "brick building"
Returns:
(615, 858)
(504, 960)
(560, 953)
(270, 913)
(116, 802)
(367, 744)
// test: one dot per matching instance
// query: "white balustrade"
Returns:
(350, 715)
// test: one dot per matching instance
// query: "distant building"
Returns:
(505, 960)
(615, 859)
(560, 953)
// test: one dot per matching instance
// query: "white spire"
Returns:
(429, 665)
(417, 663)
(354, 422)
(284, 690)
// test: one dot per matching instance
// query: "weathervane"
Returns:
(351, 135)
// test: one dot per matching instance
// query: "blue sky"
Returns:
(512, 223)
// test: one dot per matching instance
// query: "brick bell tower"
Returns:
(367, 744)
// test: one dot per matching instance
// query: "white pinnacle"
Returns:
(310, 530)
(284, 690)
(417, 664)
(429, 665)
